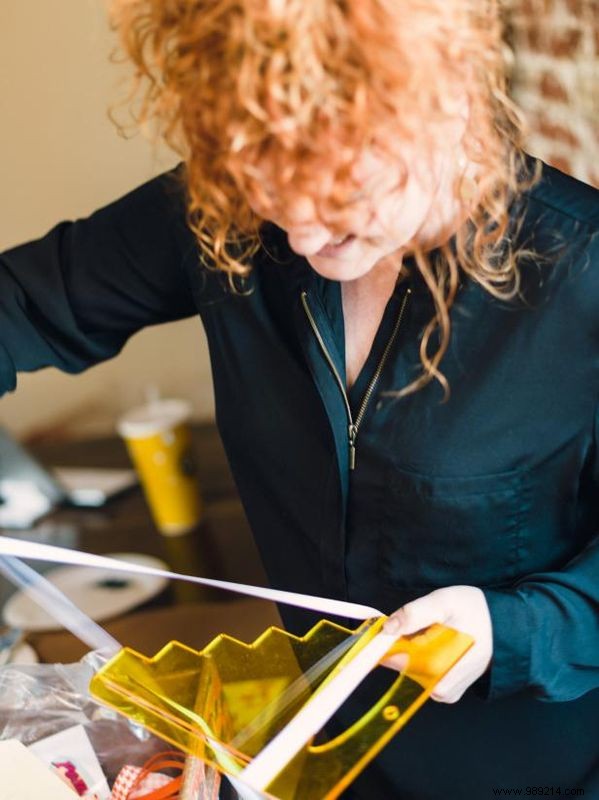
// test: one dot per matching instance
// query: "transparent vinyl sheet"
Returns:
(231, 703)
(40, 700)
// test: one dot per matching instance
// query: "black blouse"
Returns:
(496, 488)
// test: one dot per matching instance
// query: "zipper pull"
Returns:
(352, 432)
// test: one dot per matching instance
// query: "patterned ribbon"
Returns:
(194, 782)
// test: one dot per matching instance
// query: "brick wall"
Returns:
(555, 80)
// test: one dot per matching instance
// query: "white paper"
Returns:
(24, 777)
(22, 504)
(71, 752)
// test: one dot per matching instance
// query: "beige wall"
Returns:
(60, 157)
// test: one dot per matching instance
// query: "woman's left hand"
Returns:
(461, 607)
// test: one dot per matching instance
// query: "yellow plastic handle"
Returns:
(431, 651)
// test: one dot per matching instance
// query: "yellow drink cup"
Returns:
(158, 439)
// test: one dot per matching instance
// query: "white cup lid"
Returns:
(155, 417)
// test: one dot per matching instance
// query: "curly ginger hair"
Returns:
(229, 84)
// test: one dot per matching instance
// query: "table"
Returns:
(221, 547)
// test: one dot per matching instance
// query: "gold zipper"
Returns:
(354, 425)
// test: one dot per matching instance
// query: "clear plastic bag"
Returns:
(40, 700)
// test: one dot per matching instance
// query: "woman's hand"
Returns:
(462, 607)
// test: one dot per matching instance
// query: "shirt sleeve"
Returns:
(73, 297)
(546, 627)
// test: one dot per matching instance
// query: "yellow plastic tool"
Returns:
(227, 702)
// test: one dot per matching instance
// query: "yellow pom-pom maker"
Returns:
(256, 712)
(253, 711)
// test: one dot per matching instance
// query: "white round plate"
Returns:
(99, 593)
(24, 654)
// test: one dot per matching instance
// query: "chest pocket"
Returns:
(439, 531)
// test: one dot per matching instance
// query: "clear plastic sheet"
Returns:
(43, 699)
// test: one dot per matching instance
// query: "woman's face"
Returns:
(388, 216)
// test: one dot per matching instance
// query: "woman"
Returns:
(401, 314)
